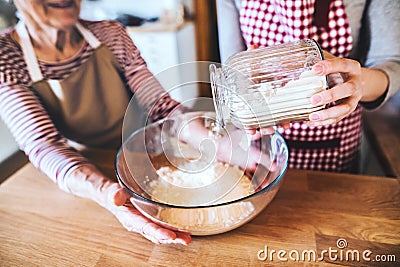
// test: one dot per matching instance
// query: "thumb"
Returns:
(118, 195)
(252, 46)
(327, 55)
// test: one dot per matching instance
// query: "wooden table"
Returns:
(42, 226)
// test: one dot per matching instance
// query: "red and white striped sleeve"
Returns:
(29, 122)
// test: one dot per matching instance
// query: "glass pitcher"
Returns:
(267, 86)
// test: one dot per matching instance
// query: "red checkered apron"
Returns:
(268, 22)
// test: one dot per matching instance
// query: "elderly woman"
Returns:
(360, 46)
(52, 65)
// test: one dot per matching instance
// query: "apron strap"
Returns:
(29, 53)
(89, 36)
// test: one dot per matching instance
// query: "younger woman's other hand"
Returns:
(346, 93)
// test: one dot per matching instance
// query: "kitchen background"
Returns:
(167, 32)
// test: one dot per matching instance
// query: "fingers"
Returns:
(116, 195)
(347, 89)
(159, 235)
(120, 197)
(256, 134)
(347, 93)
(347, 96)
(252, 46)
(134, 221)
(336, 78)
(327, 55)
(181, 238)
(251, 131)
(334, 114)
(155, 233)
(286, 126)
(336, 64)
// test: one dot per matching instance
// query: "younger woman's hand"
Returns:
(346, 90)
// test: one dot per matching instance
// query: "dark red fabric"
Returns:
(321, 13)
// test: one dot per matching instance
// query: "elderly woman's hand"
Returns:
(121, 206)
(345, 80)
(89, 182)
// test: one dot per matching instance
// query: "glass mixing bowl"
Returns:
(185, 176)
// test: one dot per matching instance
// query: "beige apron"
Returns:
(88, 106)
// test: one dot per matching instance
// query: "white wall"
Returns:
(7, 144)
(109, 9)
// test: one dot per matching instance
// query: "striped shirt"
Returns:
(28, 120)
